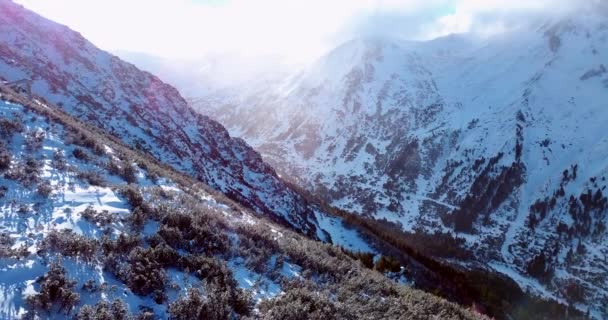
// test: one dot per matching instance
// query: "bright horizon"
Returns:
(295, 30)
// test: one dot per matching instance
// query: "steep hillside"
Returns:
(141, 110)
(96, 230)
(499, 143)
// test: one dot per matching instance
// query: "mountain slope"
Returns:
(499, 142)
(94, 229)
(141, 110)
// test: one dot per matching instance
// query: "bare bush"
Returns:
(34, 140)
(124, 169)
(59, 162)
(100, 218)
(80, 154)
(10, 127)
(69, 244)
(56, 290)
(117, 310)
(44, 190)
(6, 250)
(27, 172)
(85, 140)
(93, 178)
(5, 157)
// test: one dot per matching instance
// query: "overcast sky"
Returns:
(297, 29)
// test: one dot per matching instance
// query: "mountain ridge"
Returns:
(482, 143)
(116, 96)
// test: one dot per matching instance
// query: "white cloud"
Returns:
(299, 29)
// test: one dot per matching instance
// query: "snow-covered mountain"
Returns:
(94, 229)
(141, 110)
(500, 141)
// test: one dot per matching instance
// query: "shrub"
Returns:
(69, 244)
(121, 246)
(133, 196)
(145, 274)
(389, 264)
(191, 306)
(3, 191)
(19, 253)
(215, 305)
(10, 127)
(44, 190)
(102, 218)
(55, 290)
(90, 285)
(217, 275)
(124, 170)
(59, 162)
(34, 140)
(117, 310)
(196, 235)
(146, 313)
(128, 172)
(366, 258)
(27, 173)
(5, 158)
(92, 177)
(84, 140)
(137, 218)
(301, 304)
(6, 242)
(80, 154)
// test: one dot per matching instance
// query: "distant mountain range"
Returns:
(500, 142)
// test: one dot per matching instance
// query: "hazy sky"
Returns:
(297, 29)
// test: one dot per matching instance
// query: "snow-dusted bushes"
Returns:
(190, 306)
(257, 246)
(93, 178)
(216, 304)
(83, 139)
(10, 127)
(80, 154)
(34, 140)
(386, 263)
(219, 279)
(133, 196)
(121, 246)
(197, 233)
(123, 169)
(26, 172)
(69, 244)
(303, 304)
(6, 250)
(99, 218)
(5, 157)
(56, 291)
(44, 190)
(144, 269)
(59, 162)
(117, 310)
